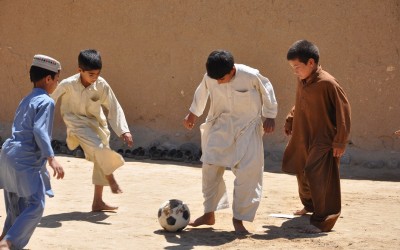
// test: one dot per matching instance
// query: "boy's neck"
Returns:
(84, 83)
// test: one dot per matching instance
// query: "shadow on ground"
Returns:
(290, 229)
(192, 237)
(55, 220)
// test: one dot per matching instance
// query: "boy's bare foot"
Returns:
(113, 184)
(115, 189)
(301, 211)
(5, 245)
(310, 229)
(102, 206)
(205, 219)
(239, 228)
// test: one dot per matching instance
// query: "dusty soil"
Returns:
(369, 220)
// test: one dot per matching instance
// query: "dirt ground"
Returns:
(369, 220)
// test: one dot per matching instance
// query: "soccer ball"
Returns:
(173, 215)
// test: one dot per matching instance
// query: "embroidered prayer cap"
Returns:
(46, 62)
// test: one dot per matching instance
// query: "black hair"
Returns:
(37, 73)
(89, 59)
(303, 50)
(219, 63)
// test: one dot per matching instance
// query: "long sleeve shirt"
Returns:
(85, 109)
(236, 109)
(320, 118)
(24, 155)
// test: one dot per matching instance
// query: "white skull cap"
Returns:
(46, 62)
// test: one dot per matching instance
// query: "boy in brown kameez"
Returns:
(320, 125)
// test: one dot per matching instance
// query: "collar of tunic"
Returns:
(313, 77)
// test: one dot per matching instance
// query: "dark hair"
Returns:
(89, 59)
(219, 63)
(303, 50)
(37, 73)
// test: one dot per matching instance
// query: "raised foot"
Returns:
(115, 189)
(205, 219)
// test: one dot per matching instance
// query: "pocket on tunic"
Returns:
(247, 103)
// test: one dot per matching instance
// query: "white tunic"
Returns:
(235, 113)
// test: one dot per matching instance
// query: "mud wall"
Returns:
(154, 53)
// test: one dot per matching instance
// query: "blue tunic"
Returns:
(24, 155)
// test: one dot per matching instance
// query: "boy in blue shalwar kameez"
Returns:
(23, 173)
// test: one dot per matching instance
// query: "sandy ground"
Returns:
(369, 220)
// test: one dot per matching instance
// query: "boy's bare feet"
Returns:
(113, 184)
(102, 206)
(239, 228)
(205, 219)
(310, 229)
(301, 211)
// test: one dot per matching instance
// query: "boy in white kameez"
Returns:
(83, 98)
(23, 173)
(231, 137)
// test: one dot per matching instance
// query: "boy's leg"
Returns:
(98, 203)
(214, 193)
(322, 172)
(304, 194)
(99, 180)
(102, 157)
(248, 183)
(115, 188)
(26, 213)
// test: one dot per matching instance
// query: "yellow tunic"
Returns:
(83, 111)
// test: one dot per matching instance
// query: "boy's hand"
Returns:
(269, 125)
(57, 168)
(338, 152)
(189, 121)
(397, 133)
(128, 139)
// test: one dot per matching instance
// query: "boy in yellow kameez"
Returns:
(83, 98)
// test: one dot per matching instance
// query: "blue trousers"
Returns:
(23, 215)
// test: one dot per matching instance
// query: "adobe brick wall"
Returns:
(154, 54)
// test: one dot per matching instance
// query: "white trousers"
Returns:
(247, 185)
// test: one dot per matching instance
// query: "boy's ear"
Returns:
(48, 79)
(311, 62)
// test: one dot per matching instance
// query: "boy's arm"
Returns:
(198, 105)
(200, 98)
(59, 91)
(269, 103)
(116, 116)
(289, 122)
(343, 121)
(42, 126)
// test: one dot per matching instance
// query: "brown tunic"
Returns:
(319, 121)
